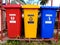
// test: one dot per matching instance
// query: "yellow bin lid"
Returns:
(30, 6)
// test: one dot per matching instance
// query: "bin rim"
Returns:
(31, 6)
(49, 7)
(12, 6)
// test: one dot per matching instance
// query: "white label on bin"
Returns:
(12, 21)
(49, 19)
(12, 18)
(48, 22)
(12, 14)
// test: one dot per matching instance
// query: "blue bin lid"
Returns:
(49, 7)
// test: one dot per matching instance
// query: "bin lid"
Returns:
(30, 6)
(12, 6)
(49, 7)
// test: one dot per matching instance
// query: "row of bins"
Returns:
(14, 20)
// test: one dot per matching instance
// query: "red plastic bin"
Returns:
(13, 18)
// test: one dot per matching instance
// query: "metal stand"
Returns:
(1, 32)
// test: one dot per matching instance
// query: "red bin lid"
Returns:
(12, 6)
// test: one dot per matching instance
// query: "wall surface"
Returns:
(54, 3)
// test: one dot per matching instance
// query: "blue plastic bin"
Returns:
(48, 17)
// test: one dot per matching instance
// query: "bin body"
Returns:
(13, 18)
(48, 16)
(30, 20)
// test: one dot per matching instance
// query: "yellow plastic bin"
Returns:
(30, 20)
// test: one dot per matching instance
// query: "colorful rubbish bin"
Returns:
(30, 20)
(48, 17)
(13, 18)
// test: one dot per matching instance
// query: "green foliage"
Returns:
(22, 1)
(31, 43)
(53, 43)
(43, 2)
(0, 44)
(58, 42)
(13, 42)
